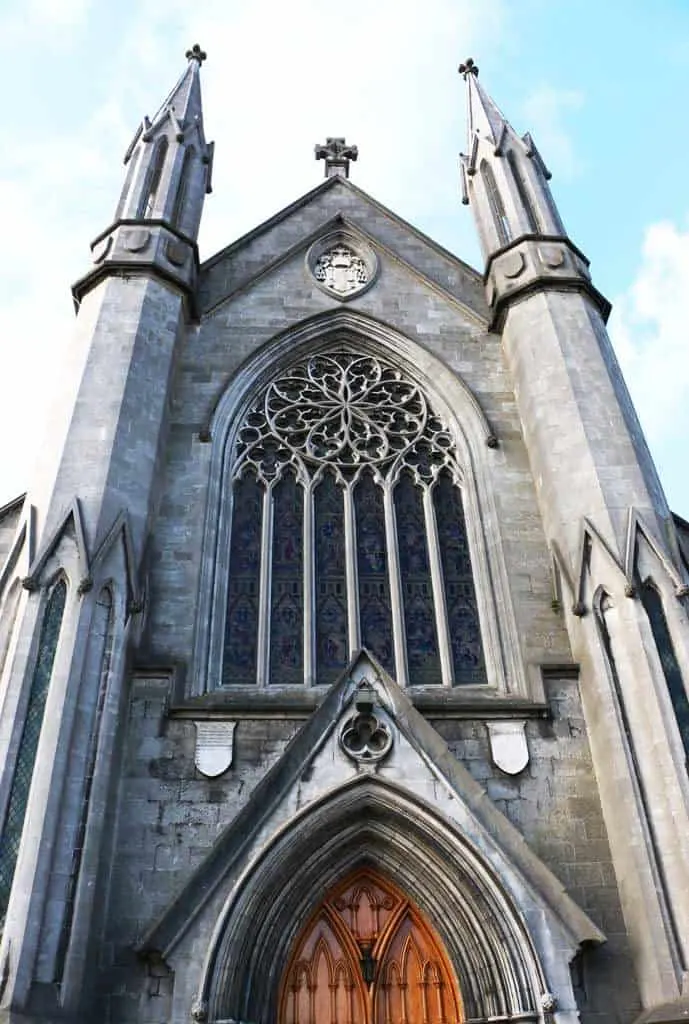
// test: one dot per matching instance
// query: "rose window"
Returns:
(347, 532)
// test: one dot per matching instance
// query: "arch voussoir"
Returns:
(372, 824)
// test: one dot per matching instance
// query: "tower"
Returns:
(608, 526)
(343, 640)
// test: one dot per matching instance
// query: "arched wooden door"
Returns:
(368, 957)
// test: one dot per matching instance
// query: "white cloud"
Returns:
(649, 331)
(546, 111)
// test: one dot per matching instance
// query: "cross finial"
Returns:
(468, 68)
(197, 54)
(337, 155)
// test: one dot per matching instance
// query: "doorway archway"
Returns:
(368, 956)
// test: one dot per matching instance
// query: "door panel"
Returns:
(368, 957)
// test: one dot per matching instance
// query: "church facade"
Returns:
(344, 651)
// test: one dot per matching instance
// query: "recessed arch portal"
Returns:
(367, 956)
(375, 829)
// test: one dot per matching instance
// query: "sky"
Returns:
(602, 87)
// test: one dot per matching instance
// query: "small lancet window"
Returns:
(153, 178)
(347, 530)
(523, 193)
(183, 187)
(495, 202)
(13, 824)
(653, 605)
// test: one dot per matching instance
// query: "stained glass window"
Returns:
(417, 588)
(460, 594)
(374, 586)
(331, 584)
(287, 599)
(241, 637)
(668, 658)
(13, 824)
(335, 457)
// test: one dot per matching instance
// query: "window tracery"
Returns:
(348, 531)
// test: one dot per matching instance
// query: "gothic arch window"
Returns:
(13, 823)
(152, 182)
(347, 531)
(495, 202)
(183, 187)
(653, 605)
(523, 192)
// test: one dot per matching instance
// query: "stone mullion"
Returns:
(263, 650)
(309, 588)
(439, 605)
(352, 575)
(396, 598)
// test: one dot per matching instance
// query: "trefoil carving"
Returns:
(365, 737)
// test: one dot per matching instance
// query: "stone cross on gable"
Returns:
(337, 155)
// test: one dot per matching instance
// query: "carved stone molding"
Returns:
(342, 265)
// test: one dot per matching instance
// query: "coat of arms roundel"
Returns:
(342, 265)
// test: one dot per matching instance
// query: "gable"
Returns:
(343, 793)
(234, 267)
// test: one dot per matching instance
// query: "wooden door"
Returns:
(368, 957)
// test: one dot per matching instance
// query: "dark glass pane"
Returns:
(241, 631)
(673, 675)
(374, 587)
(460, 595)
(28, 745)
(287, 590)
(417, 590)
(331, 591)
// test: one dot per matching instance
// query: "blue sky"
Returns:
(602, 86)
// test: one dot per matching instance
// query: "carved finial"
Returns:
(337, 155)
(197, 54)
(468, 68)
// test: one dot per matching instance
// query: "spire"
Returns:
(484, 117)
(168, 174)
(505, 181)
(183, 105)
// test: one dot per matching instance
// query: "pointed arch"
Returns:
(495, 203)
(15, 813)
(523, 192)
(149, 193)
(97, 670)
(183, 187)
(471, 434)
(674, 680)
(370, 825)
